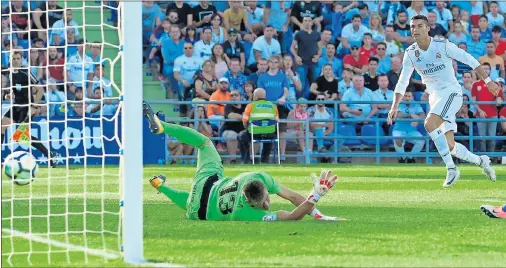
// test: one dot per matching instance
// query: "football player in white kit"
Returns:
(432, 59)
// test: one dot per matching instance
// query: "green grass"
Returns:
(397, 216)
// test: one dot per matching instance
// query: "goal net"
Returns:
(73, 58)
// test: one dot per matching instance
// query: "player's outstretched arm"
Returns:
(297, 199)
(321, 187)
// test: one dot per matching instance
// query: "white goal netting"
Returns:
(71, 213)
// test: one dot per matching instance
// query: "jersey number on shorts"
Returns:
(228, 198)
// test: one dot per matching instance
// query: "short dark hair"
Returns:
(368, 34)
(207, 28)
(373, 59)
(401, 11)
(421, 17)
(254, 191)
(496, 29)
(483, 16)
(381, 43)
(493, 2)
(363, 6)
(486, 63)
(383, 74)
(467, 72)
(328, 30)
(490, 42)
(356, 16)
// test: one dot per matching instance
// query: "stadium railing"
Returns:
(377, 150)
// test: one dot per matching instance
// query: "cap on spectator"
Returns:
(355, 44)
(233, 30)
(223, 79)
(499, 80)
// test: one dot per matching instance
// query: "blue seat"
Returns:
(370, 130)
(348, 131)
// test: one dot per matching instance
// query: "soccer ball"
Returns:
(21, 167)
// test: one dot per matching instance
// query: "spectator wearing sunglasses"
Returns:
(356, 62)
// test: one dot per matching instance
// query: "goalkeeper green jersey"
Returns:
(228, 203)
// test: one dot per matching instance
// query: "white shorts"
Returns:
(446, 104)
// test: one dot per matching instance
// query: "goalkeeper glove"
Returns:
(322, 185)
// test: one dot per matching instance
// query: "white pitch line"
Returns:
(55, 243)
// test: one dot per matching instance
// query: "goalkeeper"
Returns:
(243, 198)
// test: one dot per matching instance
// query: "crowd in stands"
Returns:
(70, 69)
(319, 51)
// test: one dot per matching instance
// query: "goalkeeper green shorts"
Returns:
(209, 170)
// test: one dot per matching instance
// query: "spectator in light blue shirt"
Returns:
(384, 61)
(346, 83)
(353, 32)
(264, 46)
(151, 18)
(485, 31)
(444, 16)
(383, 94)
(60, 28)
(358, 93)
(172, 48)
(459, 35)
(494, 18)
(329, 58)
(475, 46)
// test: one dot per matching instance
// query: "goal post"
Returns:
(132, 203)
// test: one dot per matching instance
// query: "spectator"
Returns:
(201, 14)
(72, 43)
(55, 98)
(353, 32)
(35, 64)
(191, 36)
(44, 16)
(393, 7)
(231, 130)
(361, 112)
(494, 18)
(416, 8)
(477, 9)
(404, 130)
(326, 84)
(262, 67)
(496, 62)
(173, 18)
(345, 84)
(234, 48)
(294, 84)
(481, 93)
(95, 53)
(364, 13)
(383, 94)
(443, 15)
(100, 106)
(394, 48)
(248, 88)
(485, 32)
(204, 47)
(459, 36)
(220, 61)
(436, 29)
(151, 18)
(79, 68)
(59, 29)
(367, 49)
(157, 39)
(464, 126)
(185, 67)
(329, 58)
(236, 78)
(183, 10)
(338, 18)
(297, 130)
(464, 20)
(395, 72)
(264, 46)
(255, 14)
(500, 45)
(305, 8)
(371, 77)
(205, 81)
(356, 62)
(55, 68)
(377, 30)
(218, 33)
(203, 125)
(455, 13)
(320, 121)
(236, 16)
(276, 14)
(467, 79)
(19, 18)
(384, 61)
(216, 112)
(259, 109)
(276, 83)
(324, 41)
(475, 46)
(8, 36)
(172, 48)
(100, 80)
(401, 28)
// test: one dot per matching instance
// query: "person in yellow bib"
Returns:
(242, 198)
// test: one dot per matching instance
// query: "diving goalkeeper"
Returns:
(243, 198)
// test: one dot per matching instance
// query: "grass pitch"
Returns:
(398, 215)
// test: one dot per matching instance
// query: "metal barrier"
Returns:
(374, 150)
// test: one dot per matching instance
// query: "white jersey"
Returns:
(435, 66)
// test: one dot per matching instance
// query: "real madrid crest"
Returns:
(438, 56)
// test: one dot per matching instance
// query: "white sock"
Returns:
(442, 147)
(460, 151)
(399, 149)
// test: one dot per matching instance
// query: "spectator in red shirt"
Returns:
(480, 92)
(367, 49)
(356, 62)
(500, 46)
(55, 65)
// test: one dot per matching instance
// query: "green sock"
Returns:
(177, 196)
(185, 135)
